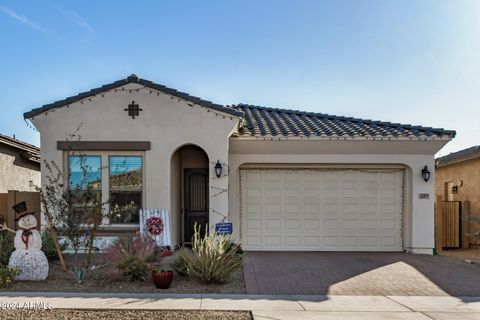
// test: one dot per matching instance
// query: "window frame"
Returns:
(67, 184)
(142, 196)
(105, 188)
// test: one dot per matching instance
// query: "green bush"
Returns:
(7, 276)
(6, 246)
(212, 259)
(48, 246)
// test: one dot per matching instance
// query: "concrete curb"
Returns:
(264, 306)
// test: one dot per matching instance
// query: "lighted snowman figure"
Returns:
(28, 256)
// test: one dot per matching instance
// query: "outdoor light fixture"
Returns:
(425, 174)
(218, 169)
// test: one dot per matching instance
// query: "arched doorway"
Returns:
(190, 192)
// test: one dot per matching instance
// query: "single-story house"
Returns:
(285, 179)
(457, 178)
(19, 173)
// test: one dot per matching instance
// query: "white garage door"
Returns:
(321, 209)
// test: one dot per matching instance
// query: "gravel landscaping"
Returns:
(67, 314)
(100, 280)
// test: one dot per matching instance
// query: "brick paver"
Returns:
(359, 273)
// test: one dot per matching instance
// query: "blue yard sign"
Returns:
(224, 228)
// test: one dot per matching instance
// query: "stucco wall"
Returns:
(15, 172)
(167, 122)
(418, 213)
(466, 173)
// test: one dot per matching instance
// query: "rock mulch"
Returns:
(101, 280)
(70, 314)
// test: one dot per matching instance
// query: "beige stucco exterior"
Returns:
(465, 175)
(170, 123)
(15, 172)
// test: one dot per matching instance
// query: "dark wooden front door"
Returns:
(196, 201)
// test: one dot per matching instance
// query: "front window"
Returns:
(126, 185)
(85, 185)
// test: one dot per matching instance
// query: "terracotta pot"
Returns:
(162, 279)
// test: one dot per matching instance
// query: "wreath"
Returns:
(154, 226)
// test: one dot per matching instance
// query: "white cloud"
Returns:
(79, 21)
(24, 20)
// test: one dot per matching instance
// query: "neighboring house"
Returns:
(289, 180)
(457, 177)
(19, 171)
(19, 164)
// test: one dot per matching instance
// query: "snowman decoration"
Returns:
(28, 256)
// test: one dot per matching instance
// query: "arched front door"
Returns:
(196, 201)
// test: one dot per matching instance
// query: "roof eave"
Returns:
(132, 79)
(240, 136)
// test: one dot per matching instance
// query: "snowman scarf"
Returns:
(27, 232)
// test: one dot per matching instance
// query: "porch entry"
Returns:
(196, 201)
(189, 192)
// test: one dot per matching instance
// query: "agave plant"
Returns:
(79, 274)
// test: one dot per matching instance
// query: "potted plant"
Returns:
(162, 278)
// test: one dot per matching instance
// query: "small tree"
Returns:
(73, 208)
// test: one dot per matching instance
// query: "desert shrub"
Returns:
(212, 259)
(6, 246)
(180, 264)
(48, 246)
(133, 268)
(7, 276)
(131, 257)
(232, 245)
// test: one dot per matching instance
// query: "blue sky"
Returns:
(405, 61)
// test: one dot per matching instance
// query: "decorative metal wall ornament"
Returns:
(133, 110)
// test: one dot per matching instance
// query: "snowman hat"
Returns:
(21, 210)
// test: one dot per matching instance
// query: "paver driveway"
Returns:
(359, 273)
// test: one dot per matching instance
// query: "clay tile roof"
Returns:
(262, 121)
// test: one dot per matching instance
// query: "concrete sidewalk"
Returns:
(268, 307)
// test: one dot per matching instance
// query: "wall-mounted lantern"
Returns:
(425, 174)
(218, 169)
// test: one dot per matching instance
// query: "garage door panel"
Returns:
(273, 194)
(254, 178)
(292, 209)
(254, 194)
(315, 209)
(292, 194)
(311, 241)
(311, 225)
(293, 241)
(273, 241)
(274, 209)
(311, 194)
